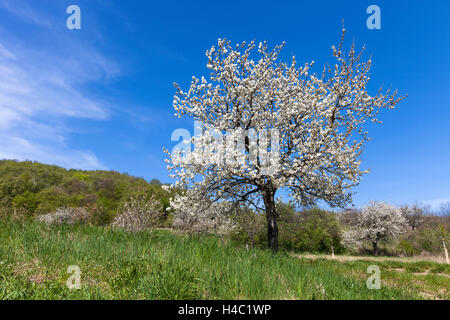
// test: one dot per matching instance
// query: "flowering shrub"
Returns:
(316, 123)
(139, 213)
(249, 225)
(64, 215)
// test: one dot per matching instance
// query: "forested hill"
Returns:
(35, 188)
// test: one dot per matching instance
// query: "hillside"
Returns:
(33, 188)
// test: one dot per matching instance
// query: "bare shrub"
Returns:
(65, 215)
(414, 215)
(139, 213)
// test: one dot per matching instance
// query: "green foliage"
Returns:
(38, 189)
(285, 211)
(31, 188)
(406, 248)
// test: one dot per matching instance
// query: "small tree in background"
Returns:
(377, 221)
(139, 213)
(195, 214)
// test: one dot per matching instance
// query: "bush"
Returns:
(139, 213)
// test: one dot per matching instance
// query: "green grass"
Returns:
(161, 265)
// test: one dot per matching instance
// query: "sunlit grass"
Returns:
(161, 265)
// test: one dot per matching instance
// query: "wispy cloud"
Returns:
(17, 147)
(41, 89)
(435, 204)
(26, 13)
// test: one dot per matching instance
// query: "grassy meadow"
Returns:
(159, 264)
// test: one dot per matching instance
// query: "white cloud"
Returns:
(43, 88)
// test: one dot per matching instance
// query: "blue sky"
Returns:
(100, 97)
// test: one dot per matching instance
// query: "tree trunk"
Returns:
(375, 248)
(272, 228)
